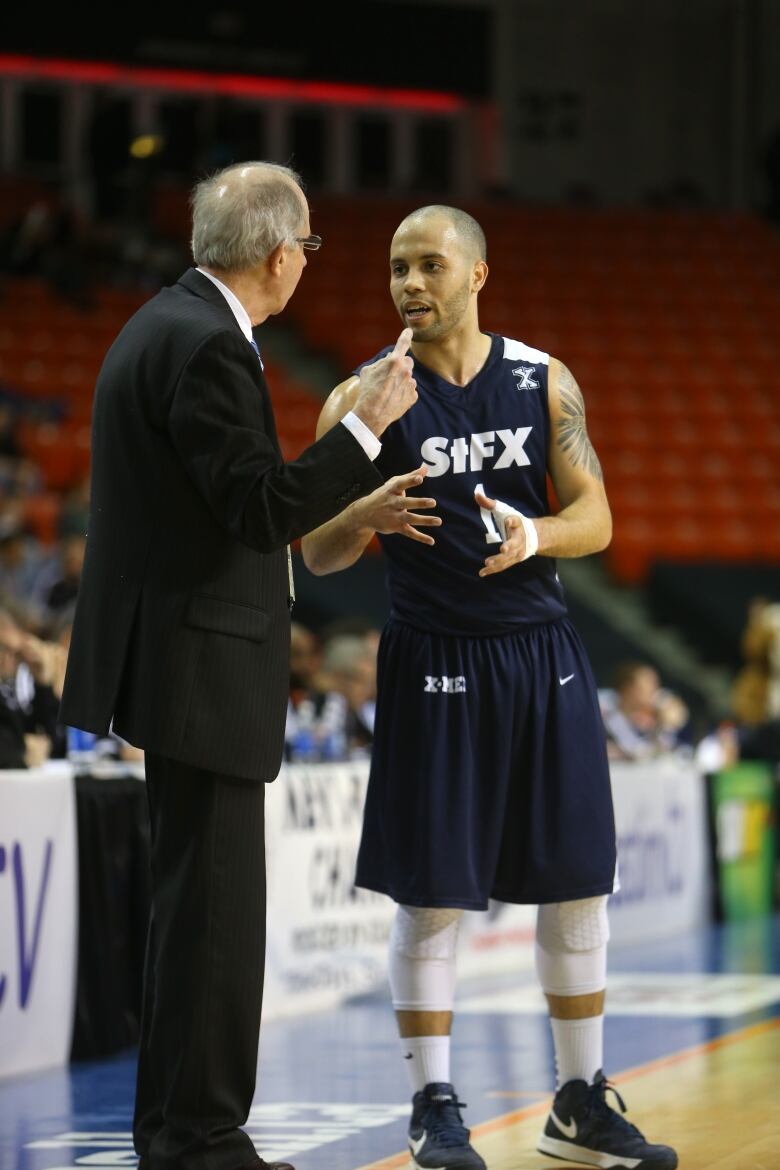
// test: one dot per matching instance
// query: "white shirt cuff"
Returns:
(366, 437)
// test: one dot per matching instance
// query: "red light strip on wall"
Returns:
(228, 84)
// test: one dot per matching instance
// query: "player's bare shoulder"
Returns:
(569, 432)
(339, 402)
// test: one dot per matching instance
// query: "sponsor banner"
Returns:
(663, 866)
(38, 908)
(327, 939)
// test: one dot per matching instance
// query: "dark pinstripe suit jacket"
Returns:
(181, 633)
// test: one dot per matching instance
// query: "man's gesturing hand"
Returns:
(387, 388)
(513, 547)
(389, 509)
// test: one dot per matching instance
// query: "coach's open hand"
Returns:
(389, 509)
(387, 388)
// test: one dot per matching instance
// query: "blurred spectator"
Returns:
(303, 730)
(27, 239)
(305, 660)
(49, 241)
(58, 585)
(349, 668)
(641, 719)
(74, 516)
(755, 697)
(31, 675)
(357, 627)
(81, 747)
(18, 476)
(21, 562)
(718, 749)
(12, 730)
(39, 679)
(331, 710)
(146, 259)
(59, 634)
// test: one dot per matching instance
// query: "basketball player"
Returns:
(489, 776)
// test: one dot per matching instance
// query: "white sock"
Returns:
(579, 1048)
(427, 1059)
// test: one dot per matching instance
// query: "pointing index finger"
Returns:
(403, 343)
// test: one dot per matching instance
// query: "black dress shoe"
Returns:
(259, 1164)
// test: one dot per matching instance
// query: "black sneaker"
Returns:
(583, 1128)
(438, 1139)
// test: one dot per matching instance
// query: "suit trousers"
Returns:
(203, 977)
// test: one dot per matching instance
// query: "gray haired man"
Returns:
(181, 634)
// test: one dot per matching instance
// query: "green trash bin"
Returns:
(743, 799)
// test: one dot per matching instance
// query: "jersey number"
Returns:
(492, 535)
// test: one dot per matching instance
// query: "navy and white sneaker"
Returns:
(438, 1139)
(583, 1128)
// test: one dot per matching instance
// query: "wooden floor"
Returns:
(717, 1104)
(692, 1040)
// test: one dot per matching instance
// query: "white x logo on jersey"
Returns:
(526, 376)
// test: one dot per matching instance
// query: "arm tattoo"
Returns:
(572, 432)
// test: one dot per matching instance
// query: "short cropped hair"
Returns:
(242, 213)
(467, 228)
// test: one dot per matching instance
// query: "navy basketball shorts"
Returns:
(489, 774)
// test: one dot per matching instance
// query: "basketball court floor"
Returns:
(692, 1042)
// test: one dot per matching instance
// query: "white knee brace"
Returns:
(571, 946)
(421, 964)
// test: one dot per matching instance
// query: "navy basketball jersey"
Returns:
(493, 432)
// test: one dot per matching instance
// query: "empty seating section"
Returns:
(669, 320)
(50, 355)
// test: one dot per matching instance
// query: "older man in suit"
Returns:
(182, 629)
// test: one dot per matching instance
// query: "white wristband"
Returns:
(500, 514)
(531, 536)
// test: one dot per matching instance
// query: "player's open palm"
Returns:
(387, 388)
(389, 509)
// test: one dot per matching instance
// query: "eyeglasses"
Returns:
(309, 243)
